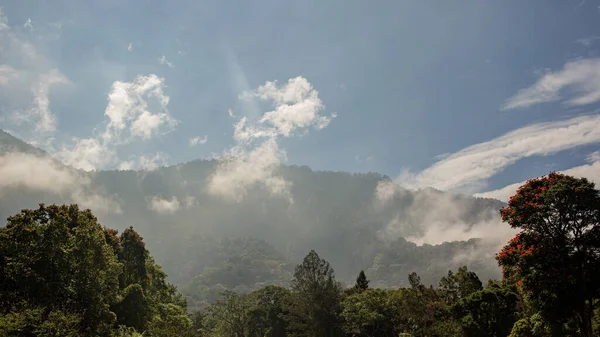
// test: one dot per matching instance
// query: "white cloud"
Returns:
(46, 119)
(87, 154)
(386, 190)
(27, 77)
(593, 157)
(128, 116)
(434, 217)
(20, 170)
(40, 114)
(164, 206)
(581, 76)
(255, 158)
(7, 73)
(198, 140)
(28, 24)
(127, 165)
(242, 168)
(151, 163)
(590, 171)
(130, 47)
(128, 109)
(471, 167)
(163, 60)
(230, 113)
(297, 106)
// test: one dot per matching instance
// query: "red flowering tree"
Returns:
(555, 259)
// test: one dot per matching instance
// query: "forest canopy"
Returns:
(63, 274)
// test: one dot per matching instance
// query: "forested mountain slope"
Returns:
(206, 243)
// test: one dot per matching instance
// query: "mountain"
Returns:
(9, 143)
(206, 243)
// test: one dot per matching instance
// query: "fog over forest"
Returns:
(207, 242)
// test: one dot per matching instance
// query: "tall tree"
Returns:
(361, 281)
(367, 314)
(488, 312)
(556, 255)
(316, 298)
(57, 257)
(459, 285)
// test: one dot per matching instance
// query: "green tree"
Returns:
(488, 312)
(59, 269)
(367, 314)
(269, 311)
(459, 285)
(315, 303)
(556, 255)
(361, 281)
(229, 316)
(57, 257)
(170, 320)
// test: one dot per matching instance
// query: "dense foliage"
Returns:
(63, 274)
(207, 244)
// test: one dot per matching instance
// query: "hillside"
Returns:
(206, 243)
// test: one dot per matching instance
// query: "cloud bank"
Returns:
(26, 171)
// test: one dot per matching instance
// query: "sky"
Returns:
(467, 96)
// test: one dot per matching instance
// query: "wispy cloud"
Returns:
(581, 76)
(130, 47)
(590, 171)
(163, 60)
(27, 77)
(46, 120)
(587, 41)
(255, 158)
(469, 168)
(198, 140)
(28, 24)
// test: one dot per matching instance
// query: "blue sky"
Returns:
(469, 96)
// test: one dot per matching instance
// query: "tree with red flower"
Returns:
(555, 259)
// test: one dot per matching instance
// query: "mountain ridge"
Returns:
(336, 213)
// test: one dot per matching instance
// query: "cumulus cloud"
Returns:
(128, 110)
(590, 171)
(255, 158)
(469, 168)
(582, 77)
(198, 140)
(128, 116)
(27, 171)
(164, 206)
